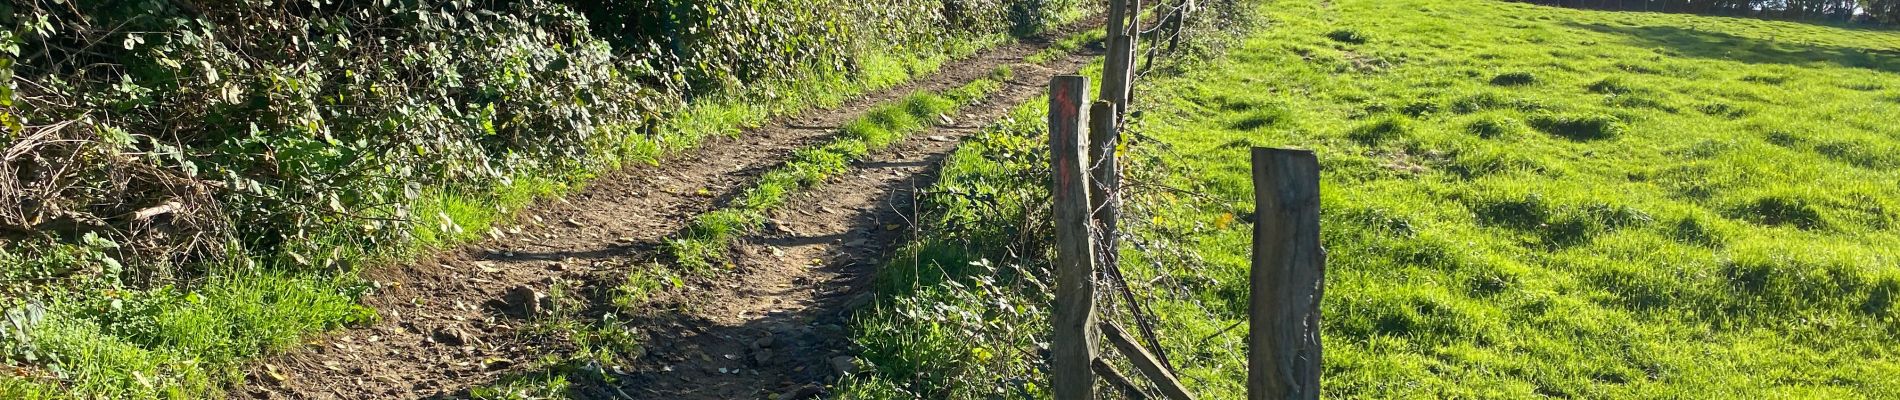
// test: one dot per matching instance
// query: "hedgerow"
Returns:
(185, 134)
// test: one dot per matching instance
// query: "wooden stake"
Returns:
(1074, 311)
(1288, 277)
(1146, 363)
(1118, 72)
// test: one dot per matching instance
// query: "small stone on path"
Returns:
(844, 365)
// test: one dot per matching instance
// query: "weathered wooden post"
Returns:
(1118, 72)
(1288, 277)
(1074, 333)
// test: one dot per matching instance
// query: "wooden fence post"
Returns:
(1118, 69)
(1074, 334)
(1288, 277)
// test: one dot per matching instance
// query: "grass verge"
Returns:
(950, 323)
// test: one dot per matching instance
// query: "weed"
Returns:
(1477, 102)
(1780, 210)
(1766, 79)
(1579, 126)
(1515, 78)
(1860, 153)
(1724, 110)
(1494, 127)
(1380, 130)
(1348, 36)
(1611, 85)
(1420, 108)
(1260, 119)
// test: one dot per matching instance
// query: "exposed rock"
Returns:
(802, 393)
(763, 342)
(844, 365)
(450, 335)
(527, 301)
(762, 357)
(778, 226)
(857, 302)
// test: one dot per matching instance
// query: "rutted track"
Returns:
(777, 326)
(447, 324)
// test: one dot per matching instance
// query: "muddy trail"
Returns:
(770, 327)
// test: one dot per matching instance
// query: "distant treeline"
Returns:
(1863, 11)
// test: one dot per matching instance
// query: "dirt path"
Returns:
(776, 329)
(455, 321)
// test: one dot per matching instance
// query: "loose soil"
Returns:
(772, 327)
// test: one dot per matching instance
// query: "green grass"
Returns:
(703, 244)
(165, 343)
(1519, 202)
(1066, 46)
(1524, 201)
(940, 292)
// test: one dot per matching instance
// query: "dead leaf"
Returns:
(274, 375)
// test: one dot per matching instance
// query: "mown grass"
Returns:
(1519, 202)
(188, 343)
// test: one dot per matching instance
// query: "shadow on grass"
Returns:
(1723, 46)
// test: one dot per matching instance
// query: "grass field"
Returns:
(1519, 201)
